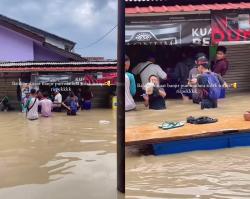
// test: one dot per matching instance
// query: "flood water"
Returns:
(216, 174)
(60, 157)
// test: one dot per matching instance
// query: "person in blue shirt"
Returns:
(130, 87)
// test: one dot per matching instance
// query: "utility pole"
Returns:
(121, 98)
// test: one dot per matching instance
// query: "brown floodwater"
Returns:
(216, 174)
(60, 157)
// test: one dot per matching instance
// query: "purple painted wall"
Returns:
(14, 46)
(43, 54)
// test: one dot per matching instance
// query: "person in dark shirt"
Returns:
(80, 98)
(155, 99)
(5, 104)
(204, 85)
(68, 98)
(87, 96)
(181, 73)
(72, 106)
(221, 63)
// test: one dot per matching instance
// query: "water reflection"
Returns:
(222, 174)
(209, 174)
(58, 157)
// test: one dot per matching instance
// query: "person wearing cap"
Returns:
(148, 68)
(130, 87)
(192, 79)
(57, 103)
(205, 84)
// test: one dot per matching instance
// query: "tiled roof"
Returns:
(187, 8)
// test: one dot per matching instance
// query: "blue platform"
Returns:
(204, 143)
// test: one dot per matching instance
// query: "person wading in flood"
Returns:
(46, 105)
(154, 97)
(209, 84)
(148, 68)
(221, 65)
(87, 96)
(32, 106)
(192, 79)
(57, 103)
(181, 73)
(130, 87)
(71, 104)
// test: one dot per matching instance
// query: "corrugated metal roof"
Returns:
(187, 8)
(58, 64)
(56, 69)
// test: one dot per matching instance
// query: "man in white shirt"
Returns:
(147, 69)
(32, 106)
(46, 105)
(57, 104)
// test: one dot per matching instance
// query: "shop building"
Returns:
(166, 28)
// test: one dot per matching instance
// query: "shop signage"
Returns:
(230, 27)
(168, 31)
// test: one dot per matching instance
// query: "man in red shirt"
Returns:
(221, 64)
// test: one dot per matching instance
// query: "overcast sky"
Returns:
(82, 21)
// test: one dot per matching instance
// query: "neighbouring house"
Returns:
(32, 55)
(22, 42)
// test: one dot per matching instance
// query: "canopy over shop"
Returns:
(165, 29)
(67, 76)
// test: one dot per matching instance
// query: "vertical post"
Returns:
(121, 98)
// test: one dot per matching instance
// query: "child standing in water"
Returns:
(155, 96)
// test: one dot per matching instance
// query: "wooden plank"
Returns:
(150, 133)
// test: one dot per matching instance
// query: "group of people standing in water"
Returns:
(198, 80)
(35, 102)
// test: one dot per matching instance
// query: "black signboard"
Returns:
(168, 30)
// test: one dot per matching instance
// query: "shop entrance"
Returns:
(167, 57)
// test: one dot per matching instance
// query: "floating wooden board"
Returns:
(151, 134)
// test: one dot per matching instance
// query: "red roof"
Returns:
(187, 8)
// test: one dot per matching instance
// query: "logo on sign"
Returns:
(143, 36)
